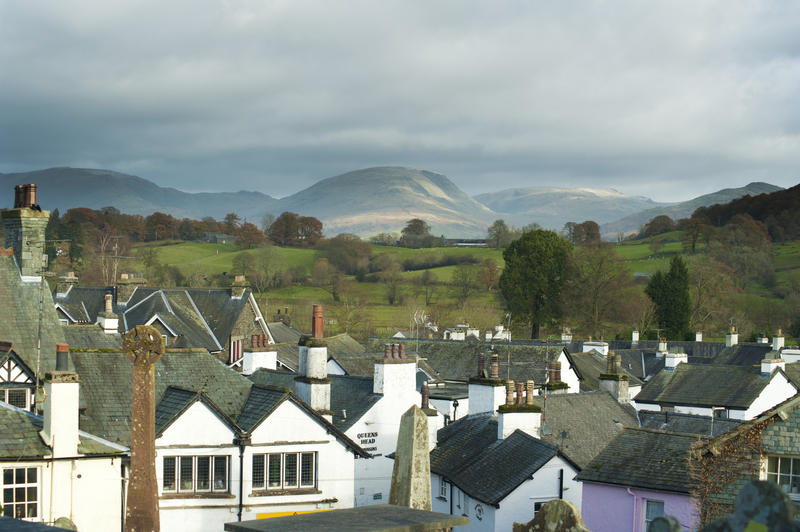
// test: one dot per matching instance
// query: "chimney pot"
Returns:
(62, 357)
(617, 364)
(387, 351)
(495, 369)
(481, 364)
(17, 196)
(520, 387)
(529, 392)
(402, 350)
(395, 351)
(317, 322)
(509, 392)
(426, 395)
(108, 306)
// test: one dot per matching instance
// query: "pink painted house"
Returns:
(642, 474)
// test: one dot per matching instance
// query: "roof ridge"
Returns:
(671, 433)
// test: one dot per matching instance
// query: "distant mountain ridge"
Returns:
(552, 207)
(684, 209)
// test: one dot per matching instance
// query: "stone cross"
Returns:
(411, 476)
(143, 345)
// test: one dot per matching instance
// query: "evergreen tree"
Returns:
(670, 294)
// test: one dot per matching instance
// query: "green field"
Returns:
(483, 309)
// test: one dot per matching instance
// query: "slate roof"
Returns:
(91, 337)
(793, 372)
(743, 355)
(449, 390)
(351, 397)
(202, 318)
(260, 403)
(704, 385)
(20, 439)
(470, 455)
(591, 365)
(20, 323)
(172, 404)
(685, 423)
(582, 424)
(458, 360)
(363, 365)
(106, 379)
(644, 458)
(9, 524)
(284, 334)
(632, 362)
(289, 355)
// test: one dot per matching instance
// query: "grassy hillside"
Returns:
(483, 309)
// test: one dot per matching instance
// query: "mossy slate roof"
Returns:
(487, 469)
(106, 380)
(644, 458)
(458, 360)
(20, 439)
(582, 424)
(591, 365)
(20, 322)
(685, 423)
(704, 385)
(340, 344)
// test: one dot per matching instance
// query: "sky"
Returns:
(667, 100)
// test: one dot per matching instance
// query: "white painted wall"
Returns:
(778, 390)
(568, 374)
(445, 406)
(485, 398)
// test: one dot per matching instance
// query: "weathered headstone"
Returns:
(555, 516)
(411, 476)
(761, 506)
(143, 346)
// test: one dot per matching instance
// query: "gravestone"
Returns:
(555, 516)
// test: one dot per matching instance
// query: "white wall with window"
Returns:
(652, 509)
(785, 472)
(89, 490)
(294, 465)
(196, 461)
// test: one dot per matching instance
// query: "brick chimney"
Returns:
(435, 418)
(238, 287)
(614, 381)
(259, 356)
(771, 362)
(62, 388)
(313, 385)
(487, 394)
(732, 338)
(65, 283)
(662, 347)
(317, 323)
(25, 226)
(107, 320)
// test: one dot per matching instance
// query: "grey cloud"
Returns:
(654, 99)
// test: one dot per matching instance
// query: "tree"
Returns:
(309, 230)
(243, 263)
(249, 235)
(670, 294)
(489, 274)
(500, 235)
(427, 285)
(583, 234)
(692, 229)
(231, 223)
(599, 287)
(712, 288)
(347, 252)
(534, 276)
(660, 224)
(283, 231)
(266, 222)
(464, 280)
(417, 234)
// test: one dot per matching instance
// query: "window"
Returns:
(785, 472)
(20, 492)
(442, 488)
(653, 509)
(195, 474)
(18, 397)
(284, 471)
(537, 506)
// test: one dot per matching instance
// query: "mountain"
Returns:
(632, 223)
(553, 207)
(383, 199)
(65, 188)
(365, 202)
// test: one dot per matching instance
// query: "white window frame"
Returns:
(775, 474)
(442, 488)
(14, 486)
(213, 479)
(4, 396)
(646, 502)
(299, 457)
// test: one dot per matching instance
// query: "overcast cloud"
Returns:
(668, 100)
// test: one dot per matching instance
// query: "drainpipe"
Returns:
(635, 498)
(241, 441)
(451, 498)
(560, 483)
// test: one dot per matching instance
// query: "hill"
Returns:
(633, 222)
(553, 207)
(66, 188)
(383, 199)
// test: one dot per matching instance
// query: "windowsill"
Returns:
(275, 493)
(198, 495)
(442, 498)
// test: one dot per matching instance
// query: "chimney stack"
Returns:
(107, 320)
(401, 351)
(634, 338)
(426, 396)
(481, 364)
(529, 390)
(61, 403)
(614, 381)
(25, 226)
(317, 323)
(487, 394)
(732, 338)
(65, 283)
(520, 390)
(259, 356)
(509, 392)
(238, 287)
(778, 341)
(662, 346)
